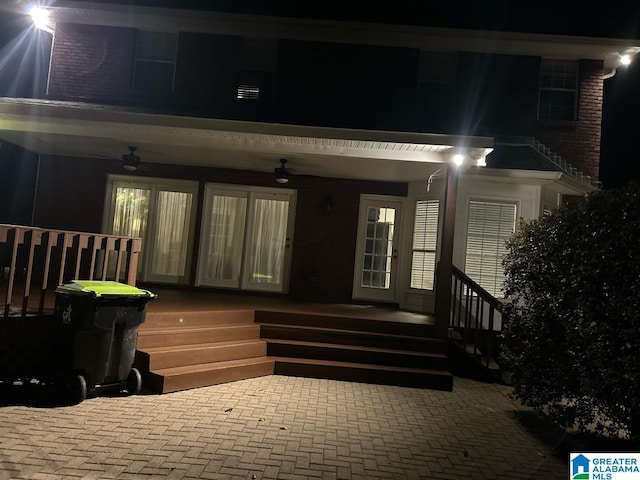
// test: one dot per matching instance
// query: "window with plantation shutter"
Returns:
(425, 237)
(257, 66)
(490, 224)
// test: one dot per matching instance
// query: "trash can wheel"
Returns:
(133, 385)
(77, 389)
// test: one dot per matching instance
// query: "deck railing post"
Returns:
(132, 260)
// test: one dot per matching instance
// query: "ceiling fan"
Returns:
(282, 173)
(131, 161)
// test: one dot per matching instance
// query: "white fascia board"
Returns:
(565, 182)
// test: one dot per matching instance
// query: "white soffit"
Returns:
(58, 128)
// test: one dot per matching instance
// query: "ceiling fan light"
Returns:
(281, 172)
(130, 160)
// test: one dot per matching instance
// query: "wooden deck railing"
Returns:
(476, 320)
(33, 261)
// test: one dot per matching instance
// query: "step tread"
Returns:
(350, 332)
(198, 318)
(355, 347)
(191, 329)
(200, 312)
(424, 319)
(200, 346)
(362, 366)
(203, 367)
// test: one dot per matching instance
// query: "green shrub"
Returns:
(572, 340)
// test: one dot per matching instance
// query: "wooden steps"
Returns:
(178, 351)
(356, 354)
(356, 349)
(351, 337)
(365, 373)
(175, 356)
(194, 376)
(166, 337)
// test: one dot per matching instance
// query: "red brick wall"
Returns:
(578, 143)
(91, 62)
(71, 194)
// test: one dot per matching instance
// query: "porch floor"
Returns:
(176, 300)
(172, 300)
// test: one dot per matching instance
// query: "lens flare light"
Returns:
(40, 17)
(458, 159)
(625, 59)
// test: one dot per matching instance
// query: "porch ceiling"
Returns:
(96, 131)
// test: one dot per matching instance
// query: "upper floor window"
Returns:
(257, 64)
(436, 87)
(155, 62)
(558, 94)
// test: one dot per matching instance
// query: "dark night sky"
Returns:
(620, 159)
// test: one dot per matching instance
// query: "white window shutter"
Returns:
(425, 239)
(490, 224)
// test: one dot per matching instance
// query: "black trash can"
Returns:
(97, 328)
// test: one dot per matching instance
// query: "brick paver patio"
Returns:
(280, 427)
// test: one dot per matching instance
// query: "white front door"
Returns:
(377, 250)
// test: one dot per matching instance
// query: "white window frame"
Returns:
(155, 185)
(250, 193)
(257, 61)
(500, 200)
(558, 63)
(139, 58)
(437, 241)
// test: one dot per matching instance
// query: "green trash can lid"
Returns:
(98, 288)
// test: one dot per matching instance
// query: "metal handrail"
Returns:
(476, 318)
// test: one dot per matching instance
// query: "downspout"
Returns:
(445, 265)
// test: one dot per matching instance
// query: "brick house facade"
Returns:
(300, 89)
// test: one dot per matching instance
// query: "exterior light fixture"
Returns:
(40, 17)
(625, 59)
(458, 159)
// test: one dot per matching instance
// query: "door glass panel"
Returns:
(226, 238)
(131, 212)
(267, 249)
(172, 233)
(130, 218)
(378, 251)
